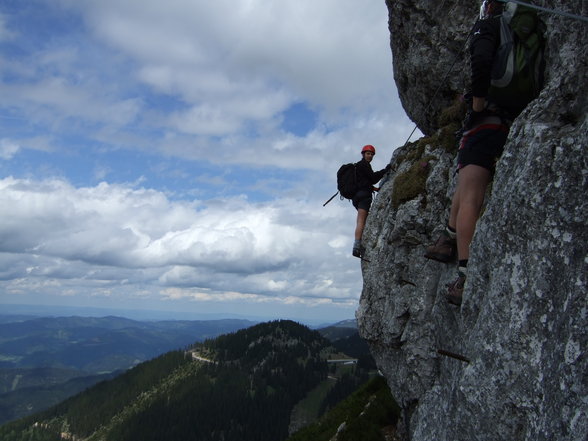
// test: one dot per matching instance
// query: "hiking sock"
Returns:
(462, 267)
(450, 232)
(357, 248)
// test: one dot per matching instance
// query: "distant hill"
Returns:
(339, 330)
(27, 400)
(45, 360)
(99, 345)
(237, 387)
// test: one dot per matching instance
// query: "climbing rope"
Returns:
(549, 11)
(456, 58)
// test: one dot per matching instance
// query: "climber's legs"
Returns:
(466, 205)
(360, 223)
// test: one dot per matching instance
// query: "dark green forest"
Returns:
(237, 387)
(368, 414)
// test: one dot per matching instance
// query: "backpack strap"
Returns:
(503, 68)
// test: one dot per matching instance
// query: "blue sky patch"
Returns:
(299, 119)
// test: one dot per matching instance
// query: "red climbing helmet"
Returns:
(368, 148)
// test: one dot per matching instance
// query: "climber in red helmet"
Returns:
(362, 200)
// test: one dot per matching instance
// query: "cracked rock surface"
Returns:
(523, 324)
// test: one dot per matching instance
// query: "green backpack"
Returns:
(517, 71)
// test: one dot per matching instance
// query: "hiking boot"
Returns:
(455, 290)
(443, 250)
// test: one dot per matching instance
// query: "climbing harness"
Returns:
(549, 11)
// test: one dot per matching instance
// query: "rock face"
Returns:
(429, 41)
(523, 324)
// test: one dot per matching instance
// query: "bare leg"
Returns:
(466, 205)
(361, 218)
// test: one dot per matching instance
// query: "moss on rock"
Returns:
(411, 183)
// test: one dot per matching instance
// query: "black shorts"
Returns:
(363, 200)
(482, 146)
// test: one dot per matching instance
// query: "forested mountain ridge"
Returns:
(44, 360)
(239, 386)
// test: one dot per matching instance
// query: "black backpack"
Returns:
(347, 180)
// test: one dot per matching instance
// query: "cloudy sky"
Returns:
(175, 155)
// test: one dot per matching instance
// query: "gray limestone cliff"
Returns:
(523, 324)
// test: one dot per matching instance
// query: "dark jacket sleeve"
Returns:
(366, 177)
(485, 41)
(379, 175)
